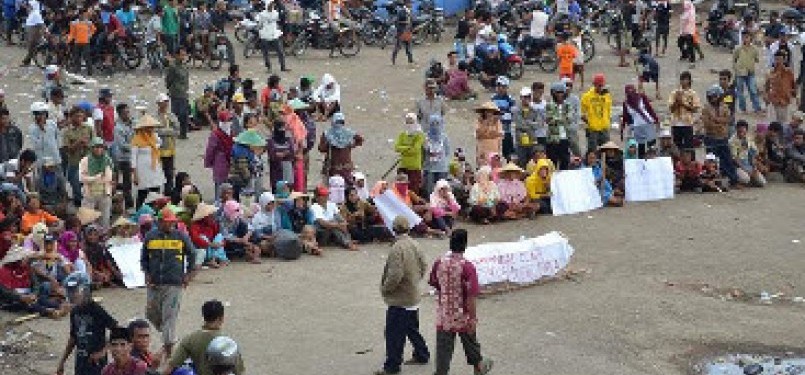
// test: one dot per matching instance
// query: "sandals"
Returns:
(485, 366)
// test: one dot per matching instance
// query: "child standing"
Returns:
(81, 31)
(566, 52)
(578, 62)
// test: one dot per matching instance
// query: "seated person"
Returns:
(711, 176)
(206, 236)
(17, 291)
(539, 154)
(603, 185)
(795, 158)
(358, 214)
(420, 206)
(745, 154)
(493, 67)
(236, 233)
(485, 198)
(266, 222)
(538, 186)
(687, 173)
(667, 147)
(49, 272)
(104, 271)
(444, 207)
(457, 86)
(52, 188)
(299, 218)
(34, 214)
(775, 147)
(514, 195)
(329, 224)
(614, 167)
(70, 249)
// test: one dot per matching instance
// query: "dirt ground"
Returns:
(630, 314)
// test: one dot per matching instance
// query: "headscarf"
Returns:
(630, 143)
(412, 125)
(379, 188)
(64, 249)
(281, 190)
(351, 206)
(98, 164)
(294, 123)
(147, 138)
(494, 173)
(336, 186)
(363, 192)
(339, 135)
(436, 199)
(223, 133)
(633, 100)
(232, 210)
(38, 233)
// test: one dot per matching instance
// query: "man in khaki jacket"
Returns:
(405, 268)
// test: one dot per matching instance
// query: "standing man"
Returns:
(596, 112)
(270, 33)
(780, 89)
(10, 137)
(662, 16)
(170, 27)
(96, 177)
(574, 102)
(404, 24)
(121, 151)
(168, 258)
(430, 104)
(34, 27)
(526, 122)
(685, 107)
(456, 282)
(715, 121)
(169, 125)
(405, 268)
(106, 128)
(745, 60)
(44, 136)
(177, 81)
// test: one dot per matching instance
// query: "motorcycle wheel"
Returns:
(131, 57)
(516, 70)
(368, 35)
(350, 44)
(299, 46)
(548, 62)
(241, 34)
(588, 47)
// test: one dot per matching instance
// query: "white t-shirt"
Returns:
(542, 131)
(539, 22)
(34, 15)
(326, 214)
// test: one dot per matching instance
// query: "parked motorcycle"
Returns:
(720, 31)
(541, 52)
(319, 34)
(514, 62)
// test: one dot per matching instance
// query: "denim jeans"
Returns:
(751, 86)
(402, 323)
(461, 49)
(721, 149)
(75, 184)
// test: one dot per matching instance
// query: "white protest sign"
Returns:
(390, 206)
(574, 191)
(520, 262)
(127, 259)
(649, 180)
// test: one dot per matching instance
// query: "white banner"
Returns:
(574, 191)
(127, 259)
(649, 180)
(390, 206)
(520, 262)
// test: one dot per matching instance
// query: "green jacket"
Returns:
(177, 80)
(405, 268)
(410, 148)
(170, 20)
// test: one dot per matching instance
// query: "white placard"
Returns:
(127, 259)
(520, 262)
(574, 191)
(390, 206)
(649, 180)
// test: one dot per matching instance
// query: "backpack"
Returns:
(287, 245)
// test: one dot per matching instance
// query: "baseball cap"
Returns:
(162, 97)
(526, 91)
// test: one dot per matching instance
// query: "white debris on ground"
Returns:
(21, 348)
(753, 364)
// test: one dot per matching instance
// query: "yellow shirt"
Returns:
(536, 186)
(597, 108)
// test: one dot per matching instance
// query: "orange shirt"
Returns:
(30, 219)
(81, 31)
(566, 53)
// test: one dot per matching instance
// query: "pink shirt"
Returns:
(456, 280)
(457, 84)
(135, 367)
(511, 191)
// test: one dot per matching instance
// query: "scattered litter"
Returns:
(589, 216)
(550, 334)
(365, 351)
(227, 304)
(19, 350)
(794, 241)
(740, 364)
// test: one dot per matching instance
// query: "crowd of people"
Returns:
(85, 177)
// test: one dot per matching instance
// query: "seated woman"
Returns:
(104, 271)
(49, 272)
(236, 233)
(614, 171)
(444, 207)
(538, 186)
(358, 215)
(485, 198)
(35, 241)
(299, 218)
(420, 206)
(266, 222)
(603, 185)
(17, 280)
(123, 231)
(34, 214)
(514, 195)
(458, 84)
(206, 236)
(70, 249)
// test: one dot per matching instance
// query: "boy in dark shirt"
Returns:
(649, 71)
(89, 323)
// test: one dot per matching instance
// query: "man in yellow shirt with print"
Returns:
(596, 112)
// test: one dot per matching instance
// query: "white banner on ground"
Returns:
(574, 191)
(649, 180)
(520, 262)
(127, 259)
(390, 206)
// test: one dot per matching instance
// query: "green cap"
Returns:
(251, 138)
(97, 141)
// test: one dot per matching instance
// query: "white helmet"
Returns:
(39, 107)
(222, 352)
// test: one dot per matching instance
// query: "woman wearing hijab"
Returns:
(687, 30)
(281, 154)
(640, 118)
(437, 152)
(297, 129)
(236, 233)
(630, 150)
(409, 145)
(361, 185)
(219, 149)
(358, 214)
(444, 207)
(148, 175)
(337, 143)
(484, 198)
(327, 97)
(488, 131)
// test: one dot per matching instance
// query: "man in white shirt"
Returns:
(270, 33)
(44, 136)
(539, 23)
(34, 27)
(330, 226)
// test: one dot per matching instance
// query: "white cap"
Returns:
(162, 97)
(526, 91)
(358, 176)
(502, 81)
(710, 157)
(51, 69)
(567, 80)
(39, 107)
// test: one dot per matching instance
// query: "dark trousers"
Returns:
(721, 149)
(407, 46)
(33, 37)
(142, 194)
(276, 45)
(445, 342)
(559, 153)
(75, 184)
(685, 44)
(169, 170)
(402, 324)
(171, 43)
(181, 108)
(124, 175)
(662, 34)
(508, 145)
(82, 52)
